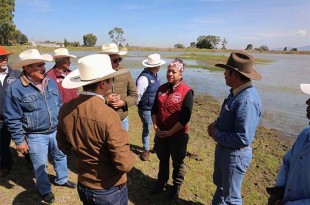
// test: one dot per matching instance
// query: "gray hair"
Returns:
(59, 60)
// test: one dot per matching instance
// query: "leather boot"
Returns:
(175, 191)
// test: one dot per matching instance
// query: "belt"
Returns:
(231, 148)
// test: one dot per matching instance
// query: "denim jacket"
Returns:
(294, 173)
(28, 110)
(239, 117)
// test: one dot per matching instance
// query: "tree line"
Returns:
(10, 35)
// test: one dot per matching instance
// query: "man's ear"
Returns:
(102, 84)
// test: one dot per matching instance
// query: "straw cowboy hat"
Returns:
(153, 60)
(305, 88)
(62, 53)
(92, 68)
(3, 52)
(243, 64)
(31, 56)
(111, 48)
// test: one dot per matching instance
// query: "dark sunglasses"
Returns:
(117, 60)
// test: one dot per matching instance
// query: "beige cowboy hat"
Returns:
(305, 88)
(92, 68)
(31, 56)
(243, 64)
(62, 53)
(111, 48)
(153, 60)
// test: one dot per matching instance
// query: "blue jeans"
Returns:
(146, 119)
(229, 169)
(115, 195)
(40, 147)
(125, 124)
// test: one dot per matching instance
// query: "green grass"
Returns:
(268, 148)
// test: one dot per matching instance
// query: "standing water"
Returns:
(283, 102)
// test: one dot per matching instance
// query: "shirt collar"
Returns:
(241, 87)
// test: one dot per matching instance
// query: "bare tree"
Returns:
(117, 36)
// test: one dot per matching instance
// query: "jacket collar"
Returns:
(241, 87)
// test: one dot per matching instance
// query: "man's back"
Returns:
(101, 145)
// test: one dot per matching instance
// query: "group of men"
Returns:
(47, 114)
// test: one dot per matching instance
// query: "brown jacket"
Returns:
(124, 86)
(93, 131)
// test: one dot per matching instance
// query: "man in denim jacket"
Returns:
(30, 110)
(234, 129)
(293, 180)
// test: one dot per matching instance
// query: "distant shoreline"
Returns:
(18, 49)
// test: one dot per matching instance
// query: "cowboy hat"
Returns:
(31, 56)
(3, 52)
(305, 88)
(111, 48)
(153, 60)
(91, 69)
(243, 64)
(62, 53)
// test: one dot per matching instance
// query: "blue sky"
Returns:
(164, 23)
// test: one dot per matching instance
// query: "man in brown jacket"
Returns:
(93, 131)
(124, 92)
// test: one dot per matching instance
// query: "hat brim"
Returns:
(144, 63)
(64, 56)
(254, 75)
(73, 80)
(305, 88)
(6, 54)
(121, 53)
(44, 58)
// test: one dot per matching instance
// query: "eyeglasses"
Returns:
(117, 60)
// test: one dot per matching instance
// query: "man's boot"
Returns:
(175, 191)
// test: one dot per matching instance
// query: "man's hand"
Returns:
(276, 195)
(22, 148)
(115, 101)
(211, 130)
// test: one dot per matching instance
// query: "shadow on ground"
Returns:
(139, 191)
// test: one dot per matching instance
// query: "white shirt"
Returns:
(142, 84)
(3, 75)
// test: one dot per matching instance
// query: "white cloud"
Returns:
(272, 34)
(132, 7)
(206, 20)
(302, 32)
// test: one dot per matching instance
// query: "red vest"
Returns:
(169, 106)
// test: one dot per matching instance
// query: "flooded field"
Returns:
(284, 106)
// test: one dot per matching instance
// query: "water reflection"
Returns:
(283, 102)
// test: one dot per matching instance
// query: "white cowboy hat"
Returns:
(31, 56)
(305, 88)
(62, 53)
(153, 60)
(92, 68)
(111, 48)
